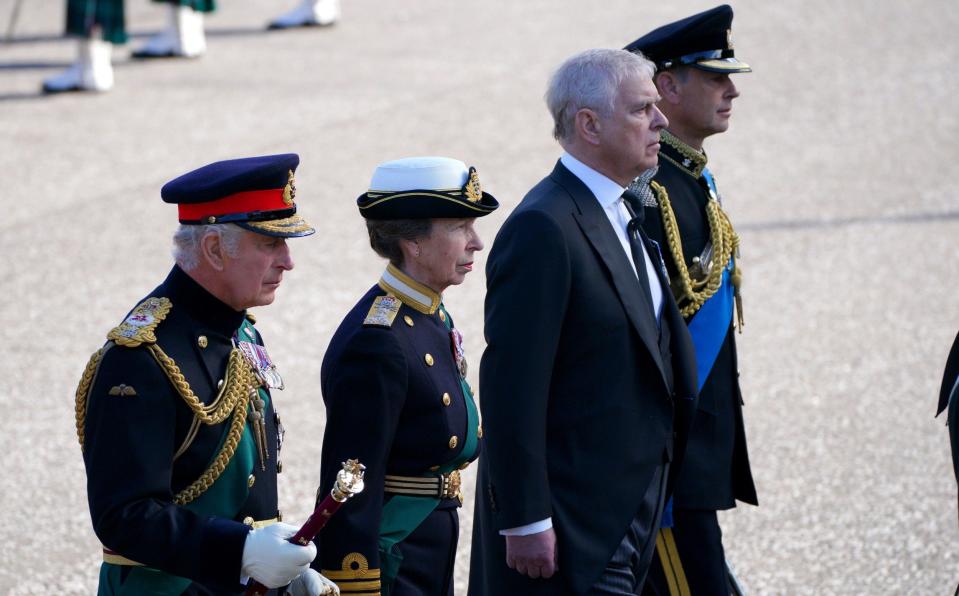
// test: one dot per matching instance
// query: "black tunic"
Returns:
(131, 441)
(716, 471)
(394, 400)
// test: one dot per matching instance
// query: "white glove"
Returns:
(271, 560)
(311, 583)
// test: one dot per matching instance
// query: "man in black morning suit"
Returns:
(587, 383)
(684, 214)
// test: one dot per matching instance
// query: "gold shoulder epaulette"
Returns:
(251, 317)
(382, 312)
(138, 327)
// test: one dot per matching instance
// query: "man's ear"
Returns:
(669, 87)
(588, 126)
(211, 251)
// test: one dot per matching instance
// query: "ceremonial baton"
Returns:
(349, 481)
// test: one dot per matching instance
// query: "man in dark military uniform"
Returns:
(175, 415)
(683, 213)
(394, 385)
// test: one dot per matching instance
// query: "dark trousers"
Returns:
(626, 571)
(689, 560)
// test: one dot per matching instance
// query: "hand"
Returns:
(311, 583)
(533, 555)
(269, 558)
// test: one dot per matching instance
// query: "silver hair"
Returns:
(186, 242)
(590, 79)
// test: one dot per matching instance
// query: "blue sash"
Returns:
(708, 329)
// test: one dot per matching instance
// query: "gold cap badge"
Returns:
(289, 191)
(472, 188)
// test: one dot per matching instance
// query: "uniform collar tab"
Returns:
(690, 160)
(411, 292)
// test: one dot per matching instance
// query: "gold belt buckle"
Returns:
(451, 486)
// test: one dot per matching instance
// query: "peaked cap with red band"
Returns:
(255, 193)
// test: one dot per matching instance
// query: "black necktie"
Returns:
(635, 208)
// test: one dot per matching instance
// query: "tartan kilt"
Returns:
(84, 15)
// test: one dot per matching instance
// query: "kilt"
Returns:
(84, 15)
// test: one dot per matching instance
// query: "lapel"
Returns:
(597, 229)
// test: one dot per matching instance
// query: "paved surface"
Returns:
(839, 172)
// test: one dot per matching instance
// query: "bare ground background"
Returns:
(839, 172)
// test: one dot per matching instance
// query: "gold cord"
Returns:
(693, 295)
(234, 397)
(83, 389)
(219, 464)
(230, 394)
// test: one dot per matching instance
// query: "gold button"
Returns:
(454, 441)
(279, 515)
(279, 466)
(211, 220)
(429, 360)
(434, 468)
(202, 341)
(251, 481)
(442, 316)
(248, 520)
(408, 319)
(219, 384)
(446, 399)
(479, 431)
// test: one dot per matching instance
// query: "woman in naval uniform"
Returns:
(394, 385)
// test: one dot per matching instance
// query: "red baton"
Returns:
(349, 481)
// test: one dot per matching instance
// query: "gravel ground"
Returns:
(847, 233)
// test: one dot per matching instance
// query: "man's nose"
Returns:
(732, 92)
(285, 260)
(659, 119)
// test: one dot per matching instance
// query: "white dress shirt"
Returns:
(610, 197)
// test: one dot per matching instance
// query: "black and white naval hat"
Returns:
(425, 187)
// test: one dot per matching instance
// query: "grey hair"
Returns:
(385, 235)
(590, 79)
(186, 242)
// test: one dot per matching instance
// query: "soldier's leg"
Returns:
(690, 560)
(183, 36)
(98, 24)
(309, 13)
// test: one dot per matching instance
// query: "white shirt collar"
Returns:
(605, 190)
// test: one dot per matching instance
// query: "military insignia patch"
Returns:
(382, 312)
(140, 324)
(289, 191)
(123, 390)
(472, 188)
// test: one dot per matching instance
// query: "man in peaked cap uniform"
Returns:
(394, 385)
(179, 432)
(683, 213)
